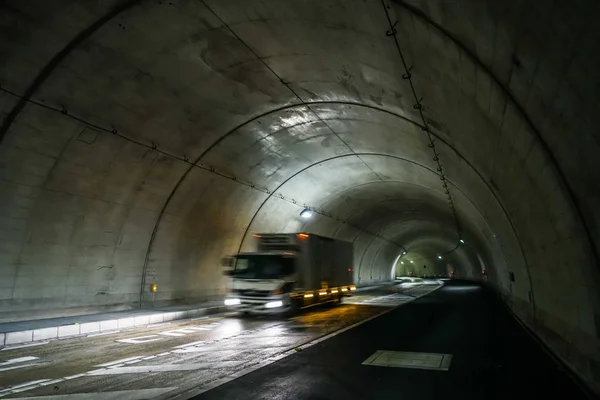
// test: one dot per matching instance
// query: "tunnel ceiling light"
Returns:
(306, 213)
(404, 253)
(412, 262)
(401, 262)
(462, 240)
(440, 257)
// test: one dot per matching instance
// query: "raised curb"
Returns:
(76, 329)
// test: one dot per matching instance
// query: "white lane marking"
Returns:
(138, 394)
(108, 364)
(141, 339)
(66, 378)
(17, 363)
(251, 368)
(173, 332)
(23, 385)
(148, 358)
(166, 368)
(18, 360)
(102, 333)
(52, 382)
(176, 332)
(22, 346)
(19, 366)
(190, 344)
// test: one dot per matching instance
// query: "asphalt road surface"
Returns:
(183, 358)
(456, 343)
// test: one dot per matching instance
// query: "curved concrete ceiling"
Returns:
(143, 140)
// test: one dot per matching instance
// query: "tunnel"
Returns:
(143, 140)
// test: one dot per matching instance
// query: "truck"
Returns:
(289, 272)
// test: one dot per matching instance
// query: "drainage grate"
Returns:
(402, 359)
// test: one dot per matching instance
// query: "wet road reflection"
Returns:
(181, 357)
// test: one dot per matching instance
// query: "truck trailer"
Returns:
(289, 272)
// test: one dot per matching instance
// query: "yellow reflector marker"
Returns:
(308, 295)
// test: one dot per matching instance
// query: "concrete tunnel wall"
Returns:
(142, 140)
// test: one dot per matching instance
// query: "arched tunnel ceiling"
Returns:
(142, 140)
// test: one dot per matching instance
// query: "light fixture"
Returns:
(274, 304)
(232, 302)
(412, 262)
(440, 257)
(306, 213)
(401, 262)
(462, 240)
(404, 253)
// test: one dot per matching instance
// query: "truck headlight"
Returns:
(274, 304)
(232, 302)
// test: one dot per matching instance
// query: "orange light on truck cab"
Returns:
(334, 291)
(352, 287)
(308, 295)
(322, 293)
(344, 289)
(302, 235)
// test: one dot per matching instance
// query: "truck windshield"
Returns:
(263, 267)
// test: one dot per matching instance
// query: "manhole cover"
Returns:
(402, 359)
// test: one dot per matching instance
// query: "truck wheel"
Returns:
(338, 300)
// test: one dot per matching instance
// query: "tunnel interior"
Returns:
(143, 140)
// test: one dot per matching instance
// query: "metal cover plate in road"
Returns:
(402, 359)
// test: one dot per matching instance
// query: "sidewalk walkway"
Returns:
(21, 332)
